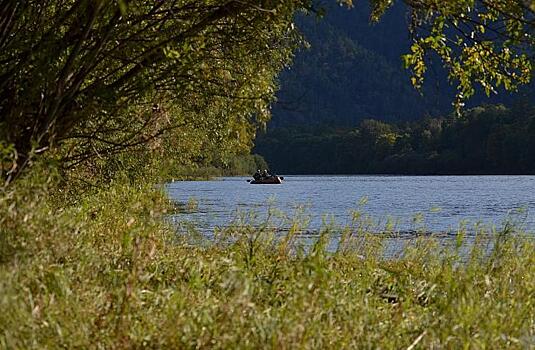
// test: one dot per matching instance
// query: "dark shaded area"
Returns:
(353, 71)
(487, 140)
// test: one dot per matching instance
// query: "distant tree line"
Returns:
(491, 139)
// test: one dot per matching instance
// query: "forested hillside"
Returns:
(353, 70)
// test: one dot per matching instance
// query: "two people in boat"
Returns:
(262, 175)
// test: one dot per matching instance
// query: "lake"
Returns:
(437, 204)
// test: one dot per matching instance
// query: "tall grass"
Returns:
(107, 272)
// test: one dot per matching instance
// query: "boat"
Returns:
(270, 180)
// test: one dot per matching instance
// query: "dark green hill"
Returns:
(353, 71)
(340, 81)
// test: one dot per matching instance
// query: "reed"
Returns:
(106, 271)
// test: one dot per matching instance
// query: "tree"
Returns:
(485, 42)
(101, 76)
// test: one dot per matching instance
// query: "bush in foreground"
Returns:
(106, 272)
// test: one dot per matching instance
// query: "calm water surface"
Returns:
(432, 203)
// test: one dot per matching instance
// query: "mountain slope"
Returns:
(353, 71)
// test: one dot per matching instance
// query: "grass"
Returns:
(107, 272)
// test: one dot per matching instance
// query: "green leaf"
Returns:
(123, 6)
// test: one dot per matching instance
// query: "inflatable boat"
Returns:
(270, 180)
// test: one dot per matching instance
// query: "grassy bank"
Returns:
(106, 272)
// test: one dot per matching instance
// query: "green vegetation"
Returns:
(339, 80)
(353, 71)
(102, 100)
(481, 43)
(106, 272)
(84, 82)
(485, 140)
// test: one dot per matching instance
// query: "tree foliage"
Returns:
(480, 42)
(102, 76)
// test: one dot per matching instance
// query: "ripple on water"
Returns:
(486, 199)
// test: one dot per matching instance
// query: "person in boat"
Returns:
(257, 176)
(266, 174)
